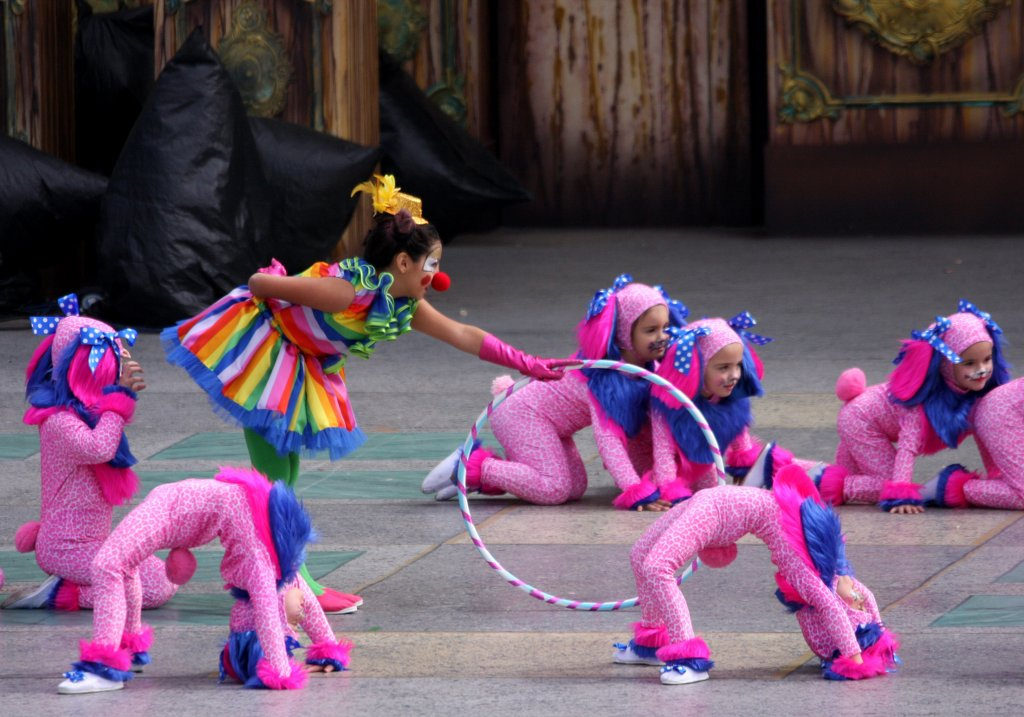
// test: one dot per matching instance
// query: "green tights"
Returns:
(267, 461)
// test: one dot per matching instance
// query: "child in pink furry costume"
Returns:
(713, 362)
(810, 571)
(263, 530)
(536, 424)
(299, 608)
(81, 399)
(926, 405)
(998, 424)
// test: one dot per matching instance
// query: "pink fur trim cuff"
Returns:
(138, 641)
(846, 667)
(634, 494)
(118, 485)
(268, 675)
(694, 648)
(675, 491)
(66, 599)
(474, 467)
(900, 490)
(120, 403)
(744, 458)
(647, 635)
(831, 485)
(119, 659)
(954, 495)
(338, 651)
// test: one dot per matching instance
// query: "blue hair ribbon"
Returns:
(601, 297)
(966, 307)
(933, 336)
(100, 340)
(46, 325)
(685, 340)
(743, 321)
(676, 308)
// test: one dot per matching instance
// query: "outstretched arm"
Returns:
(330, 294)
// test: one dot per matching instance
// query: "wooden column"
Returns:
(38, 84)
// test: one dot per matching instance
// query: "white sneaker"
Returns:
(442, 473)
(626, 655)
(755, 476)
(679, 675)
(82, 683)
(32, 598)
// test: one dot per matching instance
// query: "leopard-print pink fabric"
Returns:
(999, 433)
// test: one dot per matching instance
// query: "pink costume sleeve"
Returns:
(325, 648)
(908, 445)
(829, 608)
(664, 450)
(89, 446)
(991, 469)
(613, 451)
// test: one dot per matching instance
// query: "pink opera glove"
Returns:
(497, 351)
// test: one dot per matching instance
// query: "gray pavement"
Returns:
(440, 632)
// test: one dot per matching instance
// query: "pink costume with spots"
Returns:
(999, 433)
(708, 525)
(536, 424)
(79, 487)
(682, 459)
(883, 428)
(233, 508)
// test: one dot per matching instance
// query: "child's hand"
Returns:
(907, 509)
(131, 376)
(318, 668)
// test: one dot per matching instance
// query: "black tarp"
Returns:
(113, 77)
(463, 185)
(311, 175)
(186, 215)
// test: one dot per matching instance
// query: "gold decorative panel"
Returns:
(254, 55)
(919, 30)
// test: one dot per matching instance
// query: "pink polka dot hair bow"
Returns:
(601, 297)
(966, 307)
(46, 325)
(933, 337)
(743, 321)
(100, 340)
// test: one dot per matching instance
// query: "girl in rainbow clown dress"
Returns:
(79, 384)
(713, 363)
(926, 405)
(535, 425)
(837, 614)
(998, 426)
(263, 529)
(271, 355)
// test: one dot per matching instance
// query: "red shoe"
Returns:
(338, 603)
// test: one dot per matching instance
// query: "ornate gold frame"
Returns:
(805, 98)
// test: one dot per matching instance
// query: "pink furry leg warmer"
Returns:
(693, 654)
(844, 668)
(831, 485)
(66, 597)
(138, 643)
(950, 490)
(112, 663)
(647, 638)
(474, 472)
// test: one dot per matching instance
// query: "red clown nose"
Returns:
(441, 282)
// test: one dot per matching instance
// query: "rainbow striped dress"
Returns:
(278, 368)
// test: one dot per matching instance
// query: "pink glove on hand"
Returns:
(497, 351)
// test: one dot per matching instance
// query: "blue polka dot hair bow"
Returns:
(685, 340)
(601, 297)
(100, 340)
(743, 321)
(966, 307)
(46, 325)
(676, 309)
(933, 336)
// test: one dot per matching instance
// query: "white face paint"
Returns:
(431, 264)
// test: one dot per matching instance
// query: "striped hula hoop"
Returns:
(474, 433)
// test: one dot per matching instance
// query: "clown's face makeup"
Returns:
(975, 368)
(723, 371)
(413, 276)
(650, 335)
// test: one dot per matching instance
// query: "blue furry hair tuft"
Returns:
(727, 419)
(867, 635)
(947, 410)
(788, 604)
(623, 399)
(823, 535)
(749, 384)
(292, 529)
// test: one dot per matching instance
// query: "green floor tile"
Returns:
(985, 611)
(18, 446)
(230, 446)
(380, 485)
(20, 567)
(1016, 575)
